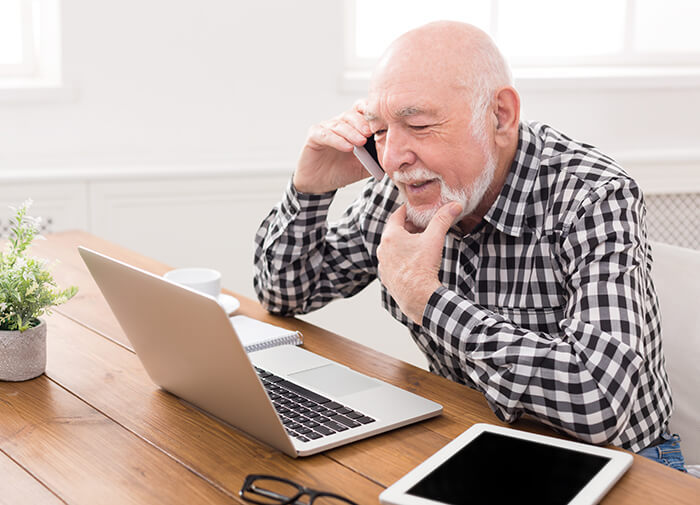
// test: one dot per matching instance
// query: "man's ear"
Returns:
(507, 110)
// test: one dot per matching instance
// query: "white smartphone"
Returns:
(367, 155)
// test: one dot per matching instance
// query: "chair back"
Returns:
(676, 274)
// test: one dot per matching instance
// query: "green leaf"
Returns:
(27, 288)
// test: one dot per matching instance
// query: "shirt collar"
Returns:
(508, 212)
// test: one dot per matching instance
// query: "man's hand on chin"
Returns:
(409, 260)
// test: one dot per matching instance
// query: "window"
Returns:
(29, 45)
(596, 37)
(16, 37)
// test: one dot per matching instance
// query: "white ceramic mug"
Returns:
(204, 280)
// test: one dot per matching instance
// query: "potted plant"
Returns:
(27, 291)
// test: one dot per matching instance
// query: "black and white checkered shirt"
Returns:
(547, 307)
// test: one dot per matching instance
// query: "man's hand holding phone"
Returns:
(328, 159)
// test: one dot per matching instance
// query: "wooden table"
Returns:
(95, 429)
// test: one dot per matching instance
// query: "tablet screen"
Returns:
(498, 468)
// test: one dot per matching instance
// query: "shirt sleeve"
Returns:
(582, 380)
(302, 262)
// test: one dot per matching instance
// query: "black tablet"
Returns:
(493, 464)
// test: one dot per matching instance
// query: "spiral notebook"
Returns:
(256, 335)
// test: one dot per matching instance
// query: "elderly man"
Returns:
(516, 256)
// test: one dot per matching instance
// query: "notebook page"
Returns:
(256, 335)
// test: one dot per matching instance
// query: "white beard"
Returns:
(469, 197)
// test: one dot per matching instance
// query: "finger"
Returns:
(443, 219)
(350, 132)
(360, 105)
(322, 137)
(397, 218)
(357, 121)
(394, 224)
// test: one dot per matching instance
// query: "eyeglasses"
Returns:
(271, 490)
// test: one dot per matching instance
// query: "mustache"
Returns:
(415, 174)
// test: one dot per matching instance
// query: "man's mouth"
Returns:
(417, 186)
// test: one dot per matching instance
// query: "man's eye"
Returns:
(419, 127)
(379, 133)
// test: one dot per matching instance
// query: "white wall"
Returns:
(221, 94)
(214, 81)
(185, 82)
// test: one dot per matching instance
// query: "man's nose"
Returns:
(397, 152)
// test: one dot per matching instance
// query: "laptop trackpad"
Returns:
(334, 380)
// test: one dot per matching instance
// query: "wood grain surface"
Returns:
(95, 429)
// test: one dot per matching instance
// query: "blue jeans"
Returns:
(667, 453)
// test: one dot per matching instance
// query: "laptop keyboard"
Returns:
(307, 415)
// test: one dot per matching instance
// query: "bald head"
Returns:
(445, 119)
(448, 54)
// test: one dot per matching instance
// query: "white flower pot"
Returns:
(23, 354)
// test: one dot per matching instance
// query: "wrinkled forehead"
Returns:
(398, 107)
(414, 96)
(405, 84)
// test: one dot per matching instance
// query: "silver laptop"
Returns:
(287, 397)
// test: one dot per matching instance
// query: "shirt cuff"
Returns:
(447, 312)
(306, 209)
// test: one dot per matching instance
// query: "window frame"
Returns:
(40, 78)
(28, 64)
(625, 68)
